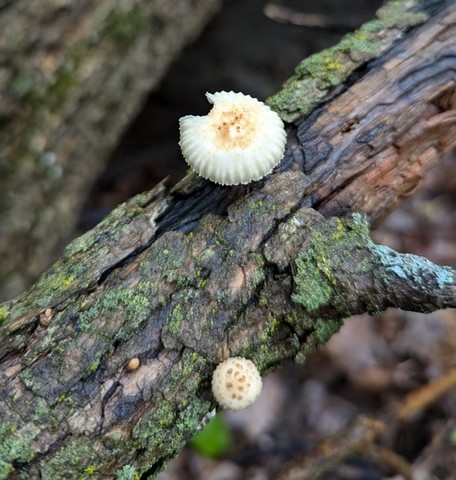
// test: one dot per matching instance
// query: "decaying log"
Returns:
(267, 271)
(72, 76)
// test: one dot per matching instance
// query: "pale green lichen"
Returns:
(78, 457)
(127, 472)
(397, 13)
(168, 429)
(316, 76)
(31, 383)
(41, 410)
(340, 244)
(95, 363)
(174, 323)
(417, 269)
(134, 304)
(165, 430)
(314, 278)
(15, 447)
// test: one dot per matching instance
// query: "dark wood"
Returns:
(267, 271)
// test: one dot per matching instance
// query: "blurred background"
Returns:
(63, 189)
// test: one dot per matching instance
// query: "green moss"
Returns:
(52, 286)
(4, 311)
(56, 281)
(254, 205)
(173, 271)
(323, 67)
(90, 470)
(340, 251)
(257, 276)
(312, 288)
(322, 329)
(301, 357)
(65, 398)
(318, 74)
(262, 348)
(186, 373)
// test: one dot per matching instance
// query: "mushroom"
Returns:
(236, 383)
(133, 364)
(241, 139)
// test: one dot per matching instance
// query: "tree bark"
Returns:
(72, 76)
(266, 271)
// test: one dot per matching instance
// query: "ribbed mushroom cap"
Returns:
(236, 383)
(241, 139)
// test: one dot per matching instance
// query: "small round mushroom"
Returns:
(46, 317)
(241, 139)
(133, 364)
(236, 383)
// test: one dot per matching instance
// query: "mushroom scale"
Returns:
(236, 383)
(240, 140)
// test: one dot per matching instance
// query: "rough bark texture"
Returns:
(72, 75)
(267, 271)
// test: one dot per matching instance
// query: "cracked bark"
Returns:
(267, 271)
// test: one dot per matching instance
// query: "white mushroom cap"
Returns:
(241, 139)
(236, 383)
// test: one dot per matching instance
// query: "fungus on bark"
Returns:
(236, 383)
(240, 140)
(133, 364)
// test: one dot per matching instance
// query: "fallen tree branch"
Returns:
(267, 271)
